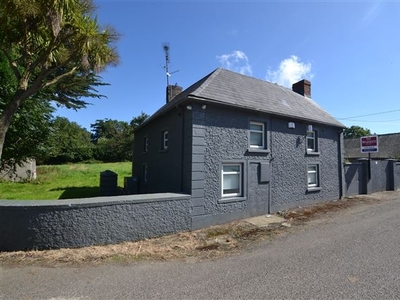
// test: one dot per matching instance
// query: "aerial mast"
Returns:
(168, 73)
(166, 67)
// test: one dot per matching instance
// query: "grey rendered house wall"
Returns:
(226, 140)
(164, 166)
(289, 164)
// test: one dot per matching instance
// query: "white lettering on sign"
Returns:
(369, 144)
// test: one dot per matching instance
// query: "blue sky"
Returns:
(350, 51)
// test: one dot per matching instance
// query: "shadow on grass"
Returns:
(78, 192)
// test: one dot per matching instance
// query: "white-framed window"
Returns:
(164, 144)
(257, 135)
(231, 179)
(145, 173)
(313, 175)
(312, 141)
(146, 144)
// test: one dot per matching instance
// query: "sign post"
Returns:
(369, 144)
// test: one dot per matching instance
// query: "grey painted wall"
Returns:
(354, 178)
(380, 176)
(214, 135)
(385, 176)
(92, 221)
(226, 140)
(396, 175)
(289, 164)
(164, 166)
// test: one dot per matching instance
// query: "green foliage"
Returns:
(29, 131)
(64, 181)
(137, 121)
(355, 132)
(30, 127)
(68, 142)
(114, 139)
(55, 49)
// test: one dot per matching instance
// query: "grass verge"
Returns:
(64, 182)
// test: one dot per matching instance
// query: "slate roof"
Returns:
(388, 146)
(229, 88)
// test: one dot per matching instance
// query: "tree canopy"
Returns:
(68, 143)
(55, 50)
(30, 127)
(113, 139)
(355, 132)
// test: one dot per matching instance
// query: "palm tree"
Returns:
(55, 49)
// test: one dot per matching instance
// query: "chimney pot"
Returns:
(303, 87)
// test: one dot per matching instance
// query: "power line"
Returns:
(387, 121)
(373, 114)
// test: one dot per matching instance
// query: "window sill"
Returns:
(312, 153)
(231, 199)
(258, 150)
(314, 189)
(163, 150)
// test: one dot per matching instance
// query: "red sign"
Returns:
(369, 144)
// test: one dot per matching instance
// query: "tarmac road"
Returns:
(353, 254)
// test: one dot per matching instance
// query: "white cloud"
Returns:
(236, 61)
(290, 70)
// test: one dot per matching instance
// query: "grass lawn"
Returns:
(64, 182)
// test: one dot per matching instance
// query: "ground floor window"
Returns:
(144, 173)
(313, 175)
(231, 180)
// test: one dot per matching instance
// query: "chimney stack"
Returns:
(172, 91)
(303, 87)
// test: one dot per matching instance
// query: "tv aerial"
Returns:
(167, 62)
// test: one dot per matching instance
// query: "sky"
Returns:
(349, 50)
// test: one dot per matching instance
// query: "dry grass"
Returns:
(303, 214)
(201, 244)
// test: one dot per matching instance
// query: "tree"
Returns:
(137, 121)
(30, 127)
(68, 142)
(114, 139)
(355, 132)
(54, 48)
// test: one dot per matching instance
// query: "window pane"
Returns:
(256, 139)
(312, 178)
(231, 181)
(310, 144)
(312, 175)
(257, 127)
(312, 168)
(231, 168)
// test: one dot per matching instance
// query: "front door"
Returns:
(258, 188)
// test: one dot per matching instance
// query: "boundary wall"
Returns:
(53, 224)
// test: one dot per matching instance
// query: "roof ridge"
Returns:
(209, 79)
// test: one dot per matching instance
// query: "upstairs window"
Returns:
(312, 141)
(231, 178)
(164, 140)
(257, 135)
(146, 144)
